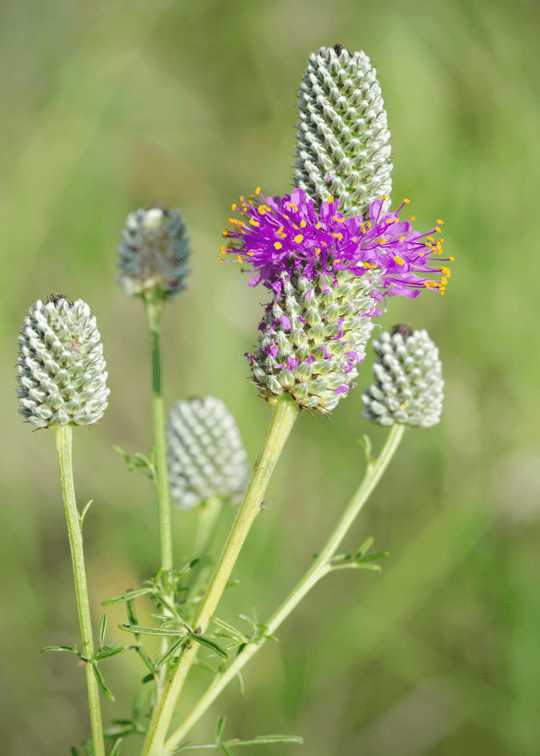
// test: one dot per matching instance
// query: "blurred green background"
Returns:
(109, 106)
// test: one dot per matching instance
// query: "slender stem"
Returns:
(285, 414)
(64, 445)
(207, 513)
(154, 307)
(319, 568)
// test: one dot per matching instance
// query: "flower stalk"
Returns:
(154, 307)
(64, 437)
(285, 414)
(320, 567)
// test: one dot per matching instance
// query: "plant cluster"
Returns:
(331, 254)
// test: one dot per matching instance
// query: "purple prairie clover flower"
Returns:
(328, 275)
(289, 235)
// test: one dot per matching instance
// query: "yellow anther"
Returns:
(221, 260)
(452, 259)
(439, 247)
(437, 229)
(369, 224)
(399, 260)
(412, 217)
(296, 227)
(382, 240)
(444, 281)
(261, 209)
(225, 234)
(406, 201)
(337, 236)
(440, 222)
(254, 222)
(241, 198)
(233, 206)
(298, 238)
(384, 196)
(303, 224)
(281, 236)
(317, 252)
(430, 238)
(251, 254)
(258, 190)
(318, 225)
(250, 197)
(278, 245)
(445, 271)
(441, 240)
(239, 258)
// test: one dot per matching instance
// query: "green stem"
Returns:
(154, 307)
(285, 414)
(64, 445)
(207, 512)
(319, 568)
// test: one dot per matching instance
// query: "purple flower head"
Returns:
(289, 235)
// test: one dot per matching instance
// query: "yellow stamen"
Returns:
(437, 229)
(258, 190)
(412, 217)
(406, 201)
(278, 245)
(303, 224)
(239, 258)
(225, 234)
(399, 260)
(445, 271)
(440, 222)
(317, 252)
(384, 196)
(233, 206)
(298, 238)
(444, 281)
(452, 259)
(337, 236)
(254, 222)
(261, 209)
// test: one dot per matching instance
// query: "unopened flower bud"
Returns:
(62, 372)
(343, 148)
(206, 454)
(154, 252)
(408, 380)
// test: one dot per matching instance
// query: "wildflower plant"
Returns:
(331, 255)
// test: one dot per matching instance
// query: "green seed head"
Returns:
(343, 145)
(315, 333)
(206, 455)
(61, 365)
(408, 385)
(154, 253)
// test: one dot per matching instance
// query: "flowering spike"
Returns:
(343, 139)
(154, 252)
(206, 454)
(409, 383)
(61, 365)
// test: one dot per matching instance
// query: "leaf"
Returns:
(241, 686)
(373, 557)
(106, 652)
(128, 596)
(47, 649)
(139, 462)
(74, 751)
(204, 641)
(162, 632)
(102, 629)
(225, 626)
(83, 513)
(115, 750)
(148, 678)
(364, 547)
(168, 653)
(121, 727)
(101, 682)
(267, 739)
(207, 667)
(226, 750)
(220, 726)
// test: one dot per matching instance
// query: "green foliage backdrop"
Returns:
(109, 106)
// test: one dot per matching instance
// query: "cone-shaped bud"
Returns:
(206, 454)
(154, 253)
(62, 372)
(409, 383)
(343, 145)
(314, 334)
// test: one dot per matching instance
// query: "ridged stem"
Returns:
(285, 414)
(320, 567)
(154, 308)
(64, 447)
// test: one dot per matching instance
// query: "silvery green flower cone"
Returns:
(154, 253)
(314, 334)
(409, 383)
(62, 372)
(343, 145)
(206, 455)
